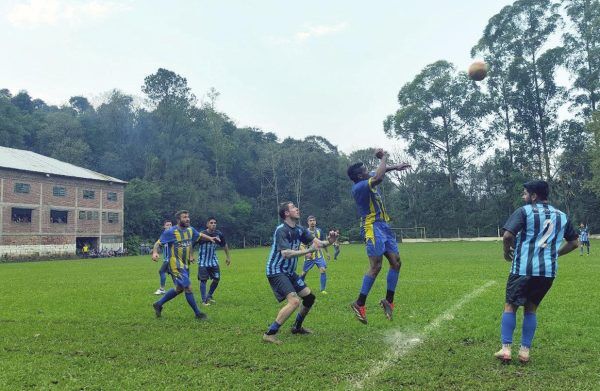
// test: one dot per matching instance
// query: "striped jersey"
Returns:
(286, 238)
(584, 234)
(539, 230)
(317, 233)
(369, 202)
(178, 243)
(207, 252)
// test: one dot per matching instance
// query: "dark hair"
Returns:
(211, 218)
(167, 221)
(284, 207)
(354, 171)
(540, 188)
(311, 217)
(179, 213)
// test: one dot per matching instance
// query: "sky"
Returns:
(294, 68)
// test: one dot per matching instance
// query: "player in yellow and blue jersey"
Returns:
(162, 272)
(533, 240)
(379, 238)
(179, 241)
(316, 257)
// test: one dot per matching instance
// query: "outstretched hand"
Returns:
(332, 237)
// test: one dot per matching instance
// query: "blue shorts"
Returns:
(309, 263)
(181, 277)
(380, 239)
(209, 272)
(284, 284)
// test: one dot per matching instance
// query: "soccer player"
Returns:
(584, 238)
(378, 236)
(533, 240)
(179, 241)
(336, 245)
(208, 263)
(316, 257)
(162, 272)
(281, 270)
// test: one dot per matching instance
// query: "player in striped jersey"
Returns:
(179, 241)
(584, 238)
(281, 270)
(316, 257)
(208, 263)
(533, 240)
(162, 272)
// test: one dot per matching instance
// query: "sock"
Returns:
(392, 279)
(365, 289)
(171, 294)
(323, 281)
(213, 286)
(189, 296)
(163, 279)
(274, 328)
(203, 290)
(389, 296)
(303, 276)
(507, 328)
(528, 331)
(299, 320)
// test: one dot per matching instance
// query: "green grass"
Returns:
(88, 324)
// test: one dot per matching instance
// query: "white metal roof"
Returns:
(19, 159)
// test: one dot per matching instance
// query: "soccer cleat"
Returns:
(324, 292)
(271, 339)
(360, 312)
(157, 309)
(388, 308)
(201, 316)
(159, 291)
(504, 354)
(524, 355)
(211, 300)
(205, 303)
(301, 331)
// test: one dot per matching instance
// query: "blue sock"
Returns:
(323, 281)
(507, 328)
(299, 320)
(367, 285)
(171, 294)
(163, 279)
(529, 325)
(213, 287)
(392, 279)
(189, 296)
(274, 328)
(203, 290)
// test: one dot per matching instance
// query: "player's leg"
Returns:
(587, 245)
(581, 244)
(162, 272)
(284, 290)
(215, 275)
(203, 276)
(308, 264)
(308, 299)
(322, 265)
(336, 252)
(515, 297)
(170, 294)
(358, 306)
(393, 275)
(537, 289)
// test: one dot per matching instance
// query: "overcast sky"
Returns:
(295, 68)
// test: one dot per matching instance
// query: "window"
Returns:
(89, 194)
(21, 215)
(59, 191)
(23, 188)
(103, 216)
(89, 214)
(111, 196)
(113, 217)
(82, 215)
(58, 216)
(95, 215)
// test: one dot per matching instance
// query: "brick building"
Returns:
(51, 208)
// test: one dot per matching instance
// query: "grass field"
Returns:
(88, 324)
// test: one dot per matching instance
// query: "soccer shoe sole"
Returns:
(271, 339)
(504, 358)
(360, 318)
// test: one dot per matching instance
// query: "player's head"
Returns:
(211, 223)
(311, 221)
(581, 225)
(183, 218)
(357, 172)
(288, 209)
(167, 223)
(535, 191)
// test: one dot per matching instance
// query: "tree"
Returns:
(168, 87)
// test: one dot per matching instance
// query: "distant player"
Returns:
(378, 236)
(336, 245)
(208, 263)
(162, 272)
(533, 240)
(281, 270)
(584, 238)
(179, 241)
(316, 257)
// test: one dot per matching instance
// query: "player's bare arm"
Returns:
(381, 169)
(294, 253)
(508, 240)
(567, 247)
(155, 249)
(210, 238)
(228, 257)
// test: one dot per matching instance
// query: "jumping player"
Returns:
(533, 240)
(208, 263)
(378, 236)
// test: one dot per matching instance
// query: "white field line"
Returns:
(402, 343)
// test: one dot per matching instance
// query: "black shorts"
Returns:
(527, 289)
(209, 272)
(284, 284)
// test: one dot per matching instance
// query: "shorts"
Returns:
(164, 268)
(209, 272)
(309, 263)
(181, 277)
(585, 243)
(380, 239)
(284, 284)
(527, 289)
